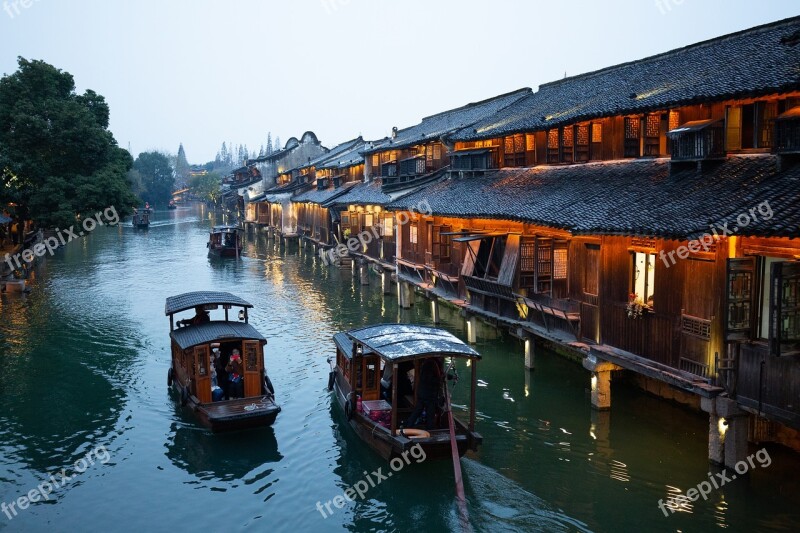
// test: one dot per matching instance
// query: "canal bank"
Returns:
(93, 330)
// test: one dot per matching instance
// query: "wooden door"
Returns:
(202, 373)
(253, 369)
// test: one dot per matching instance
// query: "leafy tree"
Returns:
(206, 186)
(58, 160)
(158, 178)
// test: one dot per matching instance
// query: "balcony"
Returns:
(698, 140)
(473, 160)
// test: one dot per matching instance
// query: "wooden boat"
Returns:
(141, 218)
(172, 205)
(225, 241)
(363, 356)
(200, 346)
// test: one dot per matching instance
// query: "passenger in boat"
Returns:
(222, 375)
(404, 387)
(235, 377)
(429, 386)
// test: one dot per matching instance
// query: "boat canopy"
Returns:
(402, 342)
(190, 300)
(214, 332)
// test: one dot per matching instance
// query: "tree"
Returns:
(58, 160)
(277, 144)
(158, 178)
(269, 143)
(206, 186)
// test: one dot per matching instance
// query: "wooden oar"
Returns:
(460, 498)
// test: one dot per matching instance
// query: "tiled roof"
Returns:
(435, 126)
(759, 61)
(630, 197)
(335, 153)
(363, 194)
(347, 159)
(320, 197)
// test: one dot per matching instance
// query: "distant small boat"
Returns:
(202, 349)
(172, 205)
(376, 408)
(141, 218)
(225, 241)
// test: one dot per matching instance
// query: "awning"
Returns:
(478, 151)
(790, 114)
(694, 125)
(479, 236)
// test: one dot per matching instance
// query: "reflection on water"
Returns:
(83, 362)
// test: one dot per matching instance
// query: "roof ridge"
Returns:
(675, 51)
(521, 91)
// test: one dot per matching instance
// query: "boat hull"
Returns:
(224, 252)
(233, 415)
(388, 446)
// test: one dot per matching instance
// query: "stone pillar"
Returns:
(405, 292)
(727, 431)
(364, 272)
(386, 282)
(472, 330)
(529, 353)
(600, 381)
(435, 311)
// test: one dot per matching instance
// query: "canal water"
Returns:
(83, 395)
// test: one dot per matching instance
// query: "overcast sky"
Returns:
(206, 71)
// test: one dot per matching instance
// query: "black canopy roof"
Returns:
(214, 332)
(189, 300)
(401, 342)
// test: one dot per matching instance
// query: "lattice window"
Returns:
(597, 132)
(251, 356)
(674, 119)
(652, 131)
(508, 144)
(544, 260)
(696, 326)
(552, 146)
(527, 259)
(739, 300)
(519, 143)
(530, 142)
(633, 128)
(582, 143)
(643, 242)
(560, 263)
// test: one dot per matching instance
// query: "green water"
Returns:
(83, 363)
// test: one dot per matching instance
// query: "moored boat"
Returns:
(218, 365)
(225, 241)
(172, 205)
(378, 407)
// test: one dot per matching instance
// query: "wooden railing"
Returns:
(707, 143)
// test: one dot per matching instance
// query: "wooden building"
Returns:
(335, 173)
(645, 217)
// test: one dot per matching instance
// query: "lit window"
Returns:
(560, 263)
(412, 236)
(644, 266)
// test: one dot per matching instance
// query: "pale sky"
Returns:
(206, 71)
